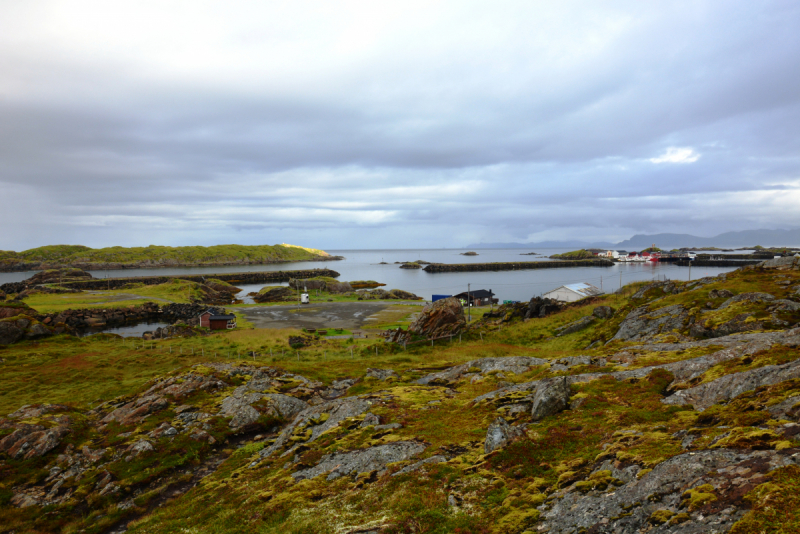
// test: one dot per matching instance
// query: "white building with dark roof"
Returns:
(573, 292)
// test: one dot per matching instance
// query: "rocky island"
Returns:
(112, 258)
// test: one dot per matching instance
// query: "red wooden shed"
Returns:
(211, 320)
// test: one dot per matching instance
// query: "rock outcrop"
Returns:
(508, 364)
(730, 386)
(375, 458)
(439, 319)
(275, 294)
(658, 500)
(643, 324)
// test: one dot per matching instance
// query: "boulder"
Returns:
(10, 333)
(140, 447)
(499, 434)
(442, 318)
(552, 396)
(274, 294)
(541, 307)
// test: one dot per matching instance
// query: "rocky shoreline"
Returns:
(233, 278)
(28, 324)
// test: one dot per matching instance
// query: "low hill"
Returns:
(60, 256)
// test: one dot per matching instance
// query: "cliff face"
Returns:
(658, 427)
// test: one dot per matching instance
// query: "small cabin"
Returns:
(211, 320)
(479, 297)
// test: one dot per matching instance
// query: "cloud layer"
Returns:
(408, 124)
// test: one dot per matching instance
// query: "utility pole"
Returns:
(469, 304)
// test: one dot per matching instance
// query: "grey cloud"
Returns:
(525, 136)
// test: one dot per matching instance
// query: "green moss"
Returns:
(698, 497)
(659, 517)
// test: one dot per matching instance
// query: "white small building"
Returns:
(612, 254)
(573, 292)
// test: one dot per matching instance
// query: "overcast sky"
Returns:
(395, 124)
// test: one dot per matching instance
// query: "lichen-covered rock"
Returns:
(509, 364)
(376, 458)
(312, 422)
(156, 398)
(136, 410)
(140, 447)
(731, 474)
(31, 441)
(643, 324)
(551, 396)
(727, 387)
(239, 405)
(499, 434)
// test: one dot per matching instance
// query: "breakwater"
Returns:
(723, 257)
(260, 277)
(513, 266)
(717, 263)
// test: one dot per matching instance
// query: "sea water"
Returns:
(381, 266)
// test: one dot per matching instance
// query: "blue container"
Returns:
(434, 298)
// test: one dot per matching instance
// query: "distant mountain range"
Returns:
(746, 238)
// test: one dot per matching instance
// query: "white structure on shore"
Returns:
(573, 292)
